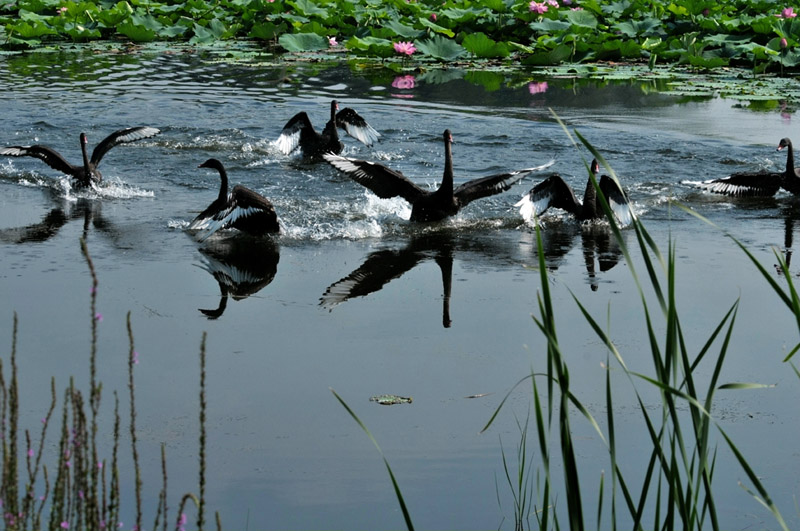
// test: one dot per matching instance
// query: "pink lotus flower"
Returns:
(404, 48)
(433, 17)
(538, 7)
(404, 82)
(553, 3)
(537, 87)
(61, 11)
(788, 12)
(784, 43)
(332, 42)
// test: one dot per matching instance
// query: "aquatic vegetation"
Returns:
(698, 34)
(677, 484)
(85, 492)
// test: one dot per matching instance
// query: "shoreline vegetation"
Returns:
(761, 36)
(82, 490)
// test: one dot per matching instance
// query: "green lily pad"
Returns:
(390, 400)
(303, 42)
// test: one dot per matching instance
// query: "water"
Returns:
(282, 453)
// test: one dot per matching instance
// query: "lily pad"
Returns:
(390, 400)
(303, 42)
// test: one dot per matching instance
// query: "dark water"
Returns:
(282, 452)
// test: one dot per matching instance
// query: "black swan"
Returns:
(86, 173)
(761, 183)
(426, 205)
(555, 192)
(298, 131)
(242, 209)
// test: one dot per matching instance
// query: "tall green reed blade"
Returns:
(790, 299)
(397, 492)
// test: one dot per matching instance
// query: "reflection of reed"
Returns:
(241, 265)
(381, 267)
(86, 209)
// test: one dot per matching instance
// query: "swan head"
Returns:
(212, 163)
(448, 138)
(84, 140)
(595, 167)
(784, 143)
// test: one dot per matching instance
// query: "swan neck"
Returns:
(789, 159)
(223, 188)
(85, 157)
(447, 178)
(589, 196)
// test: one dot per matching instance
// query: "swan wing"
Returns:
(242, 203)
(553, 191)
(50, 157)
(356, 126)
(617, 200)
(298, 129)
(123, 136)
(382, 181)
(744, 184)
(493, 184)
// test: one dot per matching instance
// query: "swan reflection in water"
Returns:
(88, 210)
(381, 267)
(242, 265)
(601, 252)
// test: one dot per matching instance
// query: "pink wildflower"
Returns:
(99, 317)
(538, 7)
(788, 12)
(404, 82)
(537, 87)
(404, 48)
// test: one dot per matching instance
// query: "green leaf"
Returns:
(371, 45)
(558, 55)
(437, 28)
(549, 26)
(401, 30)
(309, 9)
(266, 30)
(582, 19)
(440, 48)
(30, 30)
(303, 42)
(483, 46)
(136, 32)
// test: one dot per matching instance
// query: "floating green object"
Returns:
(390, 400)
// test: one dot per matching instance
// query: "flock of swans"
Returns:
(248, 211)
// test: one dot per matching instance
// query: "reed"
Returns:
(84, 493)
(677, 484)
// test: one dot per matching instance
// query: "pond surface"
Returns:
(282, 452)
